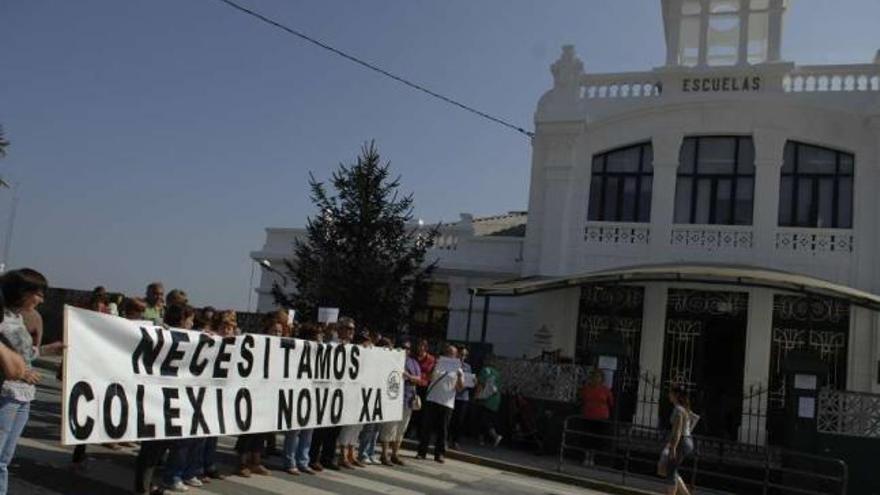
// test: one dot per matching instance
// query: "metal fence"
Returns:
(631, 452)
(753, 423)
(855, 414)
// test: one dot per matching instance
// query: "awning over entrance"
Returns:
(707, 273)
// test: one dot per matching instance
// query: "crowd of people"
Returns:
(435, 404)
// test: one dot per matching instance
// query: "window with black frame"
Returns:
(816, 189)
(716, 181)
(620, 190)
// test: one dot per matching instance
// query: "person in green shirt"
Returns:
(488, 394)
(155, 311)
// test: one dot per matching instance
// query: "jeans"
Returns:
(209, 456)
(435, 419)
(367, 441)
(13, 417)
(180, 465)
(297, 444)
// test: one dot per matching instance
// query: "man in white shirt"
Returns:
(446, 380)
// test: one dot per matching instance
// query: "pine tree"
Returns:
(362, 253)
(3, 143)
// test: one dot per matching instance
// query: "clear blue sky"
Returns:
(156, 139)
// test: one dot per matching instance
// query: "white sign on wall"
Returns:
(129, 381)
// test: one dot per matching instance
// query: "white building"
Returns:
(711, 176)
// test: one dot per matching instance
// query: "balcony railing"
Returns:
(853, 78)
(832, 78)
(712, 237)
(618, 234)
(814, 241)
(621, 85)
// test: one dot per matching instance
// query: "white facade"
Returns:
(724, 77)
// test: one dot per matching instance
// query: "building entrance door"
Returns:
(704, 352)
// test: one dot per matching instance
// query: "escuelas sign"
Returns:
(129, 381)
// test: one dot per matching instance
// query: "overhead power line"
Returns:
(375, 68)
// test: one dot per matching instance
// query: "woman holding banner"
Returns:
(393, 431)
(297, 443)
(251, 447)
(23, 290)
(349, 435)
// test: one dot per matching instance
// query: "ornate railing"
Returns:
(712, 237)
(620, 85)
(854, 414)
(446, 240)
(539, 379)
(832, 78)
(815, 241)
(617, 233)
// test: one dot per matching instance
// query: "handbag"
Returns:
(416, 403)
(663, 462)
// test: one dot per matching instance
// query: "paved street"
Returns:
(41, 467)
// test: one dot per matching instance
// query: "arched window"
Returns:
(716, 181)
(816, 188)
(620, 190)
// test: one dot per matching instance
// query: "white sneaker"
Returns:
(373, 460)
(194, 481)
(498, 439)
(178, 486)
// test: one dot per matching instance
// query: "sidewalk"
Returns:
(514, 461)
(547, 467)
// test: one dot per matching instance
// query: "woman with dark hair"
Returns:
(151, 452)
(182, 467)
(23, 290)
(99, 300)
(681, 444)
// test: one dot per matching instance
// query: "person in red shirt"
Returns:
(596, 404)
(426, 362)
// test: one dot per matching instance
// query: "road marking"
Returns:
(400, 475)
(456, 471)
(544, 485)
(276, 484)
(366, 484)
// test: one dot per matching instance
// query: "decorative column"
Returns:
(666, 147)
(743, 48)
(756, 369)
(769, 149)
(673, 32)
(650, 393)
(874, 125)
(558, 122)
(704, 34)
(774, 39)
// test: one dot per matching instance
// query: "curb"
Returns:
(556, 476)
(55, 364)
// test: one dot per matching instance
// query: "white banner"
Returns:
(128, 381)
